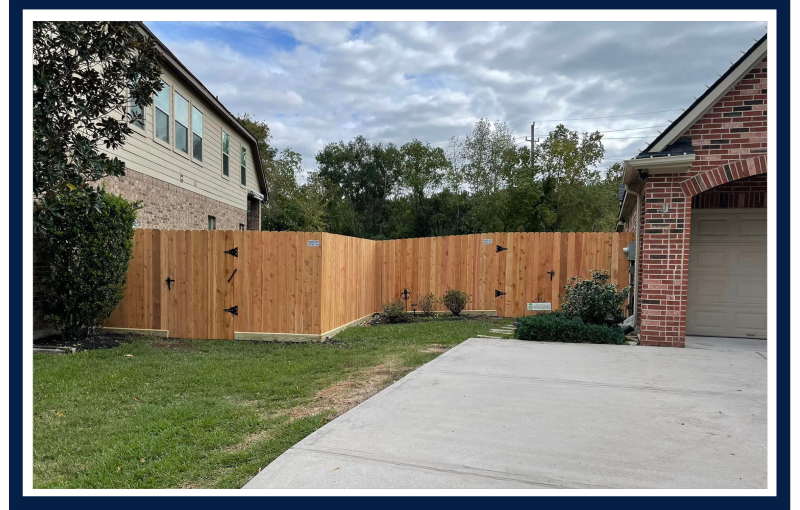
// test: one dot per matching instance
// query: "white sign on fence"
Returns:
(314, 242)
(487, 241)
(540, 307)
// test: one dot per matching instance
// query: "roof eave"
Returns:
(177, 66)
(655, 166)
(710, 97)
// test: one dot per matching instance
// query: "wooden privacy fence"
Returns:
(501, 271)
(304, 285)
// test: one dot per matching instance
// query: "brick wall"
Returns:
(750, 192)
(167, 206)
(730, 144)
(253, 214)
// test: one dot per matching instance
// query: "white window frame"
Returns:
(222, 155)
(242, 166)
(136, 129)
(170, 113)
(192, 108)
(175, 149)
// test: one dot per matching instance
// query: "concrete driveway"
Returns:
(515, 414)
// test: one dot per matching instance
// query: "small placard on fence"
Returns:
(540, 307)
(314, 242)
(487, 241)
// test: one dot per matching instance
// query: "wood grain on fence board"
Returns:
(285, 284)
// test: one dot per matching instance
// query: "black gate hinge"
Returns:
(232, 251)
(497, 293)
(500, 248)
(234, 310)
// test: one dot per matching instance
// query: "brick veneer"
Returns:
(167, 206)
(730, 145)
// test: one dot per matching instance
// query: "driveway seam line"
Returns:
(590, 383)
(564, 484)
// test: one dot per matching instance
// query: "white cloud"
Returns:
(393, 82)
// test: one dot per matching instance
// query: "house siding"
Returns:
(144, 153)
(175, 191)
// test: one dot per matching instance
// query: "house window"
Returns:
(197, 134)
(212, 223)
(162, 113)
(244, 166)
(241, 226)
(137, 114)
(225, 170)
(181, 123)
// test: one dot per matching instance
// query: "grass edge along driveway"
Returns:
(166, 413)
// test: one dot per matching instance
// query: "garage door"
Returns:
(727, 293)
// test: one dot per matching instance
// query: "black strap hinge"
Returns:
(232, 251)
(234, 310)
(500, 248)
(497, 293)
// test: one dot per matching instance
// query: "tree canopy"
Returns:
(484, 182)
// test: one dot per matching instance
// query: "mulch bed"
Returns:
(98, 341)
(378, 319)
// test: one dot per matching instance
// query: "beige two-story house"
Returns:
(190, 162)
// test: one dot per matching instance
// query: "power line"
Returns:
(610, 116)
(589, 118)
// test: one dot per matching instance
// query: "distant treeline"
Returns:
(484, 182)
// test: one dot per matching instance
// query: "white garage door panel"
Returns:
(727, 291)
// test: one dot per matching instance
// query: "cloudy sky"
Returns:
(316, 83)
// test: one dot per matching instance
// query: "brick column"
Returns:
(664, 261)
(253, 214)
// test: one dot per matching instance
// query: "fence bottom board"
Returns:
(159, 333)
(332, 332)
(275, 337)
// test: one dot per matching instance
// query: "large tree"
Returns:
(361, 178)
(568, 160)
(91, 80)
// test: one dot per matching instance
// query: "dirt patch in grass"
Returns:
(173, 344)
(435, 349)
(255, 437)
(342, 396)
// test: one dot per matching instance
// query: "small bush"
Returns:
(558, 327)
(395, 312)
(455, 301)
(88, 243)
(595, 301)
(427, 304)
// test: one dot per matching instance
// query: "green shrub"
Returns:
(558, 327)
(596, 300)
(395, 312)
(455, 301)
(88, 244)
(427, 304)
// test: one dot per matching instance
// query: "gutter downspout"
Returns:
(636, 261)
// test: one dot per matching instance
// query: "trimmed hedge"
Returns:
(557, 327)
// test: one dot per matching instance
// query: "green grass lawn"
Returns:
(207, 413)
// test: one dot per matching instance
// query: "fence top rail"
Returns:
(367, 239)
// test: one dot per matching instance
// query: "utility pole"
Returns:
(532, 140)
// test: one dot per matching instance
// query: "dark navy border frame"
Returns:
(777, 12)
